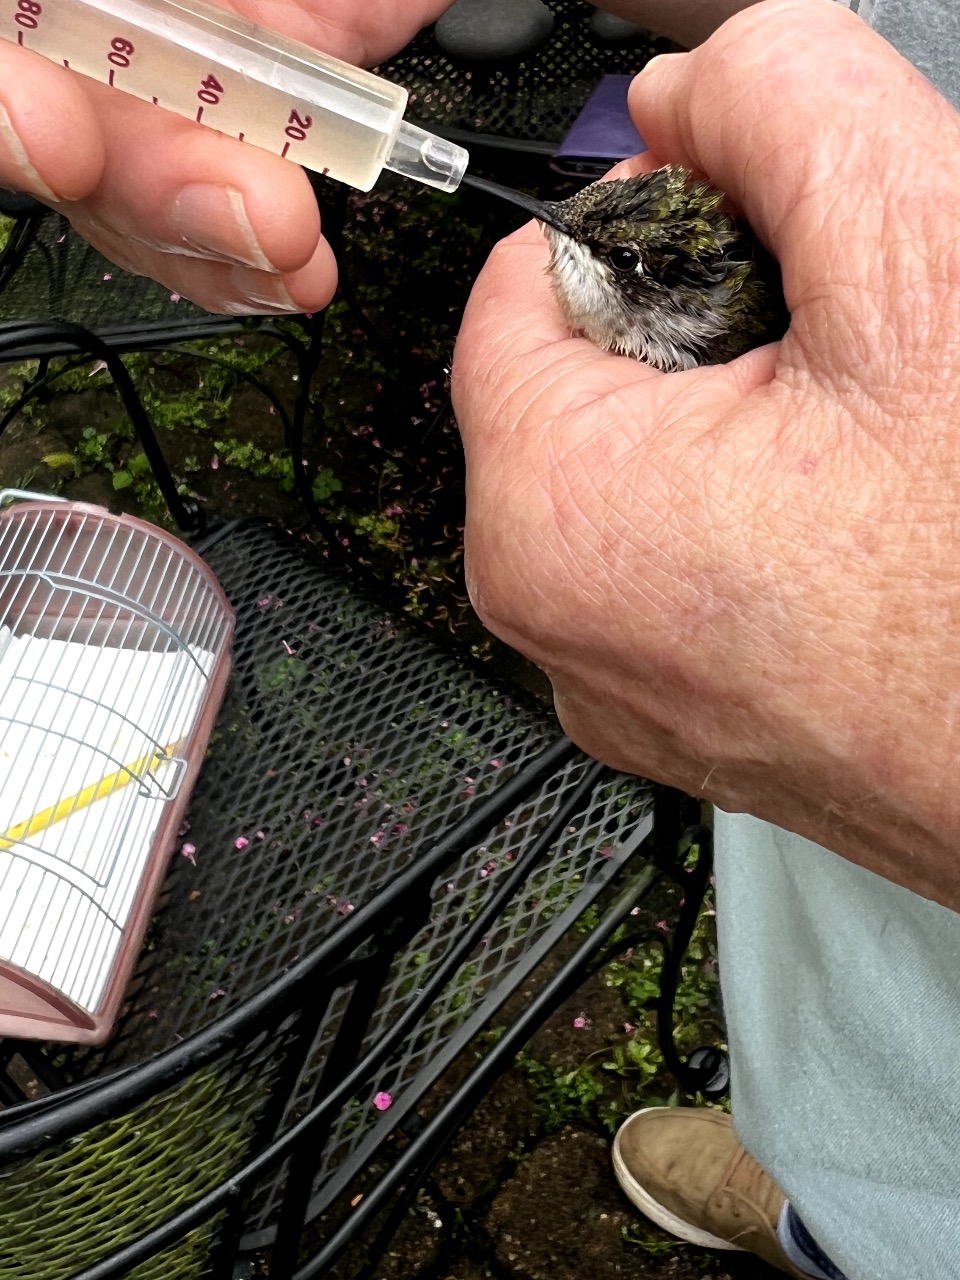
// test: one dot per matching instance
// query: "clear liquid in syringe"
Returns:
(214, 67)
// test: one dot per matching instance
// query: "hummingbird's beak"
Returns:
(544, 210)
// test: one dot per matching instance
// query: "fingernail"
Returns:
(214, 220)
(24, 174)
(262, 295)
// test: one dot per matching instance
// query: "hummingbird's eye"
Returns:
(623, 259)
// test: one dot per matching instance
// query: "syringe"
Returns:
(212, 66)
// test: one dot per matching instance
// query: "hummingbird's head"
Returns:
(652, 267)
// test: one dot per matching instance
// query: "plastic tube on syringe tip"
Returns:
(215, 67)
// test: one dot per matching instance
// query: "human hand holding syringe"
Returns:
(227, 225)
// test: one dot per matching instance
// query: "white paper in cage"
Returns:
(70, 716)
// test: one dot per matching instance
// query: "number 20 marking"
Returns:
(296, 130)
(297, 126)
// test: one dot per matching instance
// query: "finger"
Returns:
(517, 369)
(176, 186)
(515, 356)
(362, 34)
(600, 723)
(225, 288)
(50, 142)
(811, 122)
(633, 166)
(380, 39)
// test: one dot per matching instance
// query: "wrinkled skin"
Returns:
(119, 169)
(744, 580)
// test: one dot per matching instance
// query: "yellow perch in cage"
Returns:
(132, 772)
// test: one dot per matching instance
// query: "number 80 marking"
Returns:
(28, 13)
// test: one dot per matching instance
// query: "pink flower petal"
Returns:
(382, 1101)
(189, 851)
(241, 842)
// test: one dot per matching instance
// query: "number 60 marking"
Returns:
(120, 52)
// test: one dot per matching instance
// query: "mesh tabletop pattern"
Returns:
(348, 745)
(535, 99)
(62, 277)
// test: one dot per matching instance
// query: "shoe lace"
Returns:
(746, 1183)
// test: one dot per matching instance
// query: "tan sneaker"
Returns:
(684, 1168)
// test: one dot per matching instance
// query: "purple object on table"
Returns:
(602, 133)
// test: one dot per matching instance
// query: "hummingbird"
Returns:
(653, 267)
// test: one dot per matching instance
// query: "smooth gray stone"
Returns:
(493, 30)
(610, 29)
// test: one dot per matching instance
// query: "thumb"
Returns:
(50, 142)
(813, 124)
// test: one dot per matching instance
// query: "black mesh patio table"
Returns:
(524, 104)
(383, 845)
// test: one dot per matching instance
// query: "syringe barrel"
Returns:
(213, 66)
